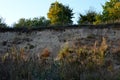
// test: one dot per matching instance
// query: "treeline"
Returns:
(61, 15)
(32, 23)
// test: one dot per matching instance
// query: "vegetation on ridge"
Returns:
(62, 15)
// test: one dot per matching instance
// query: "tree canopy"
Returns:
(87, 18)
(111, 10)
(2, 23)
(32, 23)
(60, 14)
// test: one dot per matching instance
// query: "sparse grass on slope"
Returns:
(76, 63)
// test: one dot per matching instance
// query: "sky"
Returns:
(13, 10)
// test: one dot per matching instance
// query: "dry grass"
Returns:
(77, 63)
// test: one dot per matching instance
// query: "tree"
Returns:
(88, 18)
(32, 23)
(111, 10)
(60, 14)
(2, 23)
(21, 23)
(98, 19)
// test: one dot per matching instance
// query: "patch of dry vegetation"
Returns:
(72, 63)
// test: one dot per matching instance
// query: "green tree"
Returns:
(111, 10)
(32, 23)
(60, 14)
(98, 18)
(21, 23)
(88, 18)
(2, 23)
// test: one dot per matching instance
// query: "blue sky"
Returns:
(13, 10)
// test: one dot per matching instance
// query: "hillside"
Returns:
(53, 53)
